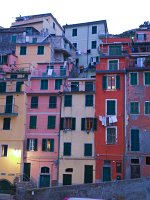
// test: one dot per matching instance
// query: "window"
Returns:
(44, 84)
(135, 140)
(111, 107)
(94, 29)
(62, 71)
(74, 32)
(134, 161)
(147, 107)
(34, 102)
(44, 170)
(68, 100)
(52, 102)
(111, 135)
(111, 82)
(89, 86)
(67, 149)
(31, 144)
(88, 124)
(6, 123)
(4, 150)
(33, 120)
(113, 65)
(115, 50)
(58, 83)
(23, 50)
(51, 122)
(93, 45)
(147, 160)
(74, 86)
(134, 107)
(68, 123)
(19, 86)
(88, 100)
(118, 167)
(87, 149)
(13, 38)
(40, 50)
(141, 37)
(133, 78)
(147, 78)
(75, 45)
(67, 179)
(48, 145)
(53, 25)
(2, 86)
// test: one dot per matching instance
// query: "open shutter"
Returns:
(28, 144)
(117, 82)
(73, 123)
(44, 145)
(35, 145)
(104, 83)
(83, 124)
(51, 145)
(61, 123)
(94, 124)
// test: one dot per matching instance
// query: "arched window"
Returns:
(45, 170)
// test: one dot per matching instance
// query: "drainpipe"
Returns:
(60, 95)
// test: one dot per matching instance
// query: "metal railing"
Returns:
(49, 73)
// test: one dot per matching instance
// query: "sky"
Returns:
(120, 15)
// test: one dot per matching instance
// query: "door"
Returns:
(106, 174)
(9, 104)
(44, 180)
(26, 171)
(135, 171)
(88, 174)
(67, 179)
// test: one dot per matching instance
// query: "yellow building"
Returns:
(77, 126)
(12, 125)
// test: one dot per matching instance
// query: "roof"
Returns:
(87, 24)
(29, 17)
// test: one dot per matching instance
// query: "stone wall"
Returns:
(137, 189)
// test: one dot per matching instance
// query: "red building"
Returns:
(110, 108)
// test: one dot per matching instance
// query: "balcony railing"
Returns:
(49, 73)
(79, 88)
(104, 52)
(8, 110)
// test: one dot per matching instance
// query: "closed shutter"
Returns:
(35, 145)
(28, 144)
(117, 82)
(33, 120)
(94, 124)
(51, 122)
(61, 123)
(51, 145)
(104, 84)
(83, 124)
(135, 143)
(111, 107)
(3, 87)
(73, 123)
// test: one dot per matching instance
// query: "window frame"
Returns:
(133, 84)
(106, 135)
(49, 145)
(40, 50)
(4, 152)
(93, 44)
(108, 64)
(115, 107)
(5, 123)
(94, 29)
(74, 32)
(145, 79)
(32, 144)
(148, 108)
(133, 113)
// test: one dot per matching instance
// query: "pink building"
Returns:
(42, 126)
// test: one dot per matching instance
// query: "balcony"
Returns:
(141, 49)
(50, 73)
(113, 52)
(76, 87)
(8, 110)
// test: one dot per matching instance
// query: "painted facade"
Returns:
(109, 137)
(137, 160)
(77, 127)
(12, 124)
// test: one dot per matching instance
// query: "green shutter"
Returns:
(33, 120)
(61, 123)
(51, 122)
(28, 144)
(111, 107)
(94, 124)
(2, 86)
(117, 82)
(68, 100)
(83, 124)
(35, 145)
(89, 100)
(67, 149)
(135, 143)
(44, 144)
(87, 149)
(51, 145)
(133, 78)
(104, 83)
(52, 101)
(73, 123)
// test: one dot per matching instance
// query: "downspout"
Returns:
(87, 44)
(58, 159)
